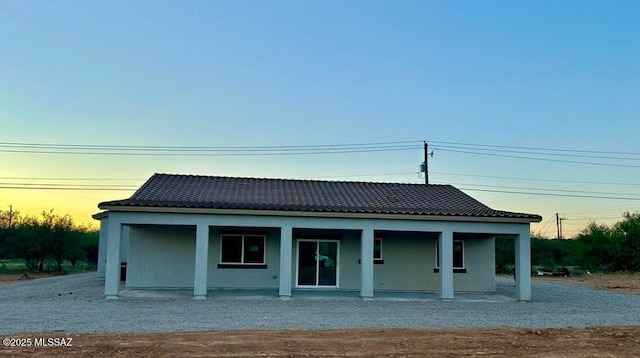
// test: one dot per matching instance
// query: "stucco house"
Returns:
(209, 232)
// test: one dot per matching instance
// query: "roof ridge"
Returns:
(296, 180)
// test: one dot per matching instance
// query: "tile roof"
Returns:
(215, 192)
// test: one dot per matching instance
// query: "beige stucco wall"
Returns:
(161, 257)
(164, 256)
(242, 277)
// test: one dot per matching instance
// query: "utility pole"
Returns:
(426, 163)
(10, 215)
(559, 225)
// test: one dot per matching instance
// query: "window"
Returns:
(247, 250)
(377, 249)
(377, 252)
(458, 256)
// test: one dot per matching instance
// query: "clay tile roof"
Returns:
(214, 192)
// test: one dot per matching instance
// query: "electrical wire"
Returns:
(537, 179)
(542, 159)
(551, 194)
(536, 148)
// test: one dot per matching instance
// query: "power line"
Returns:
(502, 150)
(219, 153)
(225, 148)
(541, 159)
(66, 188)
(537, 148)
(128, 150)
(64, 179)
(538, 179)
(545, 189)
(551, 194)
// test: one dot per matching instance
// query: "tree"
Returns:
(9, 220)
(50, 237)
(628, 231)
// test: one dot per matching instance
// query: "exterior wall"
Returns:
(480, 259)
(409, 259)
(243, 277)
(348, 266)
(161, 251)
(161, 257)
(102, 246)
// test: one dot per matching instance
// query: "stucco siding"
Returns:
(243, 277)
(161, 257)
(407, 260)
(350, 271)
(479, 261)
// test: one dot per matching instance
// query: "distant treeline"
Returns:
(45, 242)
(597, 248)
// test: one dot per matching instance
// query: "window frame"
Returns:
(456, 269)
(242, 263)
(379, 258)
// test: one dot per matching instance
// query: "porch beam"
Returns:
(112, 269)
(366, 264)
(446, 264)
(201, 262)
(286, 233)
(523, 266)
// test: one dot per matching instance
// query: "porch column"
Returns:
(286, 233)
(445, 250)
(523, 265)
(102, 246)
(366, 264)
(202, 262)
(112, 269)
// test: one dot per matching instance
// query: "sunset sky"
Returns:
(529, 106)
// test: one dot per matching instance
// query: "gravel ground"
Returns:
(75, 304)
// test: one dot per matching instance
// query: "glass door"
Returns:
(318, 263)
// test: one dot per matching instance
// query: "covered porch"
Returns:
(301, 255)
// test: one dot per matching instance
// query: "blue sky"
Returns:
(535, 74)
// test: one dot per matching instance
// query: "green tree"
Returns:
(598, 247)
(505, 254)
(628, 232)
(9, 220)
(50, 237)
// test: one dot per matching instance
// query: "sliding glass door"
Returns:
(318, 263)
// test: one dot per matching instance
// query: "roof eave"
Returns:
(325, 214)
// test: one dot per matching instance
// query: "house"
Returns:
(210, 232)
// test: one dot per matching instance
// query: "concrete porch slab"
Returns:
(237, 294)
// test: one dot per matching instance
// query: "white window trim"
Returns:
(264, 253)
(374, 251)
(464, 259)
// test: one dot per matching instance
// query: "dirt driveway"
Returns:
(492, 342)
(614, 341)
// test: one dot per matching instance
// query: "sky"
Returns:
(528, 106)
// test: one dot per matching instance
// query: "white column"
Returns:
(446, 264)
(202, 262)
(286, 233)
(523, 265)
(366, 264)
(112, 270)
(102, 246)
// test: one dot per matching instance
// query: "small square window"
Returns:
(242, 249)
